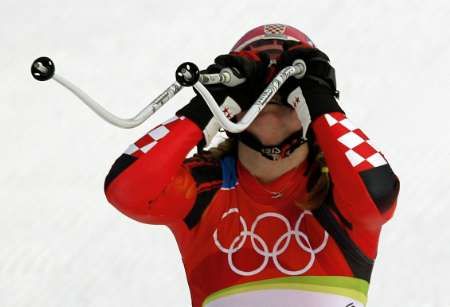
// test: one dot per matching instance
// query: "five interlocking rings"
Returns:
(263, 249)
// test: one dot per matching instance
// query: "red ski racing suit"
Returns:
(240, 246)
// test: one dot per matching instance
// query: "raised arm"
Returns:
(150, 175)
(364, 186)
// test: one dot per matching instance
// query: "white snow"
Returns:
(62, 244)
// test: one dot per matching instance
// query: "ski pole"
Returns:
(187, 74)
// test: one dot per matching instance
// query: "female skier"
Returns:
(286, 213)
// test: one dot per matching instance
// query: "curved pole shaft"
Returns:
(127, 123)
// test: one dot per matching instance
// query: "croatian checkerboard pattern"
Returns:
(361, 153)
(274, 29)
(148, 141)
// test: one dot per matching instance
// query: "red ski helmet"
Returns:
(270, 38)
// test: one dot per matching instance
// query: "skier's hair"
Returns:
(318, 183)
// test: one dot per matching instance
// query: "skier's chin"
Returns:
(271, 129)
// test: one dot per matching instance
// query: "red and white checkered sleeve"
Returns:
(148, 182)
(364, 186)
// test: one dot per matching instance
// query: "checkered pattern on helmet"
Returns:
(274, 29)
(361, 153)
(148, 141)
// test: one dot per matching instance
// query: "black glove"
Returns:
(247, 65)
(318, 86)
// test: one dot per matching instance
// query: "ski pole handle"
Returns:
(187, 74)
(226, 76)
(298, 70)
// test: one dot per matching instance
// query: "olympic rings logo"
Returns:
(279, 247)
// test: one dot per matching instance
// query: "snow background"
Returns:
(62, 244)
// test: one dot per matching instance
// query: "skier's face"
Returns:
(275, 123)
